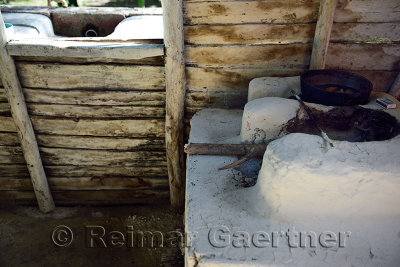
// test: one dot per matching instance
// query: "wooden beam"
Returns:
(51, 48)
(175, 99)
(23, 124)
(322, 33)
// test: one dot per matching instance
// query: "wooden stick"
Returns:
(322, 34)
(23, 124)
(175, 99)
(395, 89)
(256, 150)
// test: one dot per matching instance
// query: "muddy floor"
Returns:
(101, 236)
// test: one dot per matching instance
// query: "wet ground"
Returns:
(101, 236)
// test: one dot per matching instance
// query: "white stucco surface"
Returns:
(234, 226)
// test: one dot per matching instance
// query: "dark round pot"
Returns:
(334, 88)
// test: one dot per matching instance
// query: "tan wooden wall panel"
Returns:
(88, 183)
(82, 157)
(363, 57)
(83, 111)
(95, 76)
(254, 34)
(237, 12)
(123, 128)
(292, 56)
(93, 97)
(89, 197)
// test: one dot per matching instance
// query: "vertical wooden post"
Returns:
(322, 34)
(175, 98)
(24, 125)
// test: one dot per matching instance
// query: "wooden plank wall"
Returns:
(230, 42)
(100, 130)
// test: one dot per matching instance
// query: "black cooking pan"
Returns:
(334, 88)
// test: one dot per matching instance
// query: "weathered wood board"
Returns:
(82, 157)
(142, 169)
(94, 142)
(83, 111)
(96, 76)
(235, 12)
(123, 128)
(89, 197)
(95, 97)
(292, 56)
(88, 183)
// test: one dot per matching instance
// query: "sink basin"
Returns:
(29, 25)
(85, 23)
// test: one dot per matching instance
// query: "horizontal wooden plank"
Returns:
(235, 12)
(93, 97)
(204, 79)
(5, 108)
(154, 61)
(11, 155)
(141, 169)
(9, 139)
(87, 142)
(292, 56)
(254, 34)
(14, 170)
(365, 32)
(53, 48)
(125, 128)
(97, 197)
(92, 142)
(100, 76)
(62, 156)
(87, 183)
(83, 111)
(234, 99)
(363, 57)
(3, 96)
(367, 11)
(7, 124)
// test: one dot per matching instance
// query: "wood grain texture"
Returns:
(235, 12)
(7, 124)
(367, 11)
(254, 34)
(14, 170)
(365, 32)
(87, 183)
(95, 97)
(62, 156)
(3, 97)
(363, 57)
(52, 48)
(123, 128)
(292, 56)
(89, 197)
(11, 155)
(322, 33)
(23, 124)
(9, 139)
(81, 111)
(153, 61)
(141, 169)
(92, 142)
(99, 76)
(207, 79)
(175, 99)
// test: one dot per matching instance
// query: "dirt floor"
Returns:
(27, 238)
